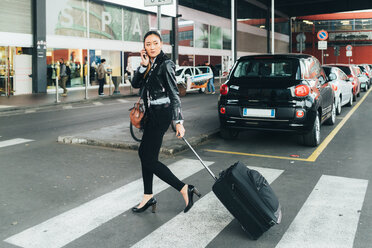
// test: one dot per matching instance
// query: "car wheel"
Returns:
(312, 138)
(201, 90)
(227, 133)
(358, 95)
(332, 119)
(354, 98)
(338, 109)
(350, 103)
(366, 88)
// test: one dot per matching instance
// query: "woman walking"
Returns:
(156, 79)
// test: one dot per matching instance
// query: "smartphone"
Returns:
(145, 54)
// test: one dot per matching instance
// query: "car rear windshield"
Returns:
(267, 68)
(327, 70)
(178, 72)
(345, 69)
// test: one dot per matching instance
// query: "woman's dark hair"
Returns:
(150, 33)
(103, 60)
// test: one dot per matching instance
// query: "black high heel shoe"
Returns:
(190, 193)
(152, 202)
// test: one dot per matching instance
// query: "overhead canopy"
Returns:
(251, 9)
(312, 7)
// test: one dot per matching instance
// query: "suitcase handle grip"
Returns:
(201, 161)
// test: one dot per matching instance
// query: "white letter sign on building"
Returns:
(157, 2)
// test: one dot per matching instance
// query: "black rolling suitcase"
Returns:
(248, 197)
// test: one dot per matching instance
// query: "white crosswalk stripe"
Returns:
(122, 100)
(13, 142)
(64, 228)
(206, 220)
(98, 103)
(329, 217)
(5, 106)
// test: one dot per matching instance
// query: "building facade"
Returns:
(36, 34)
(353, 28)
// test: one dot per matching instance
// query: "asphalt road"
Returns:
(54, 195)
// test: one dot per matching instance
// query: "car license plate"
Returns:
(250, 112)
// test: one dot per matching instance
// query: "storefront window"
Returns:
(216, 37)
(186, 60)
(16, 16)
(166, 27)
(105, 21)
(6, 71)
(226, 39)
(201, 35)
(185, 32)
(216, 61)
(136, 24)
(113, 63)
(74, 59)
(201, 59)
(227, 64)
(67, 17)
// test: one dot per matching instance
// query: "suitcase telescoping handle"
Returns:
(201, 161)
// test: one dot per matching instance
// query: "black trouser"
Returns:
(157, 122)
(101, 83)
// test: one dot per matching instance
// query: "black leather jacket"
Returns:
(159, 83)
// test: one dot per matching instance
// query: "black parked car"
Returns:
(283, 92)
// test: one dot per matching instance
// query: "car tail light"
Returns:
(302, 90)
(300, 113)
(224, 89)
(223, 110)
(334, 87)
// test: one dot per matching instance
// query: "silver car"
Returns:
(364, 80)
(341, 85)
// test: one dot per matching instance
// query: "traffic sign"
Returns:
(157, 2)
(349, 53)
(349, 48)
(322, 35)
(322, 45)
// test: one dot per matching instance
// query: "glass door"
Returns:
(6, 71)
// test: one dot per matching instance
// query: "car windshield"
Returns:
(178, 72)
(345, 69)
(265, 68)
(204, 69)
(362, 68)
(327, 70)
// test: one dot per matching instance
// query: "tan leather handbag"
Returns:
(136, 114)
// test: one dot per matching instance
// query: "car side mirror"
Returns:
(321, 80)
(332, 76)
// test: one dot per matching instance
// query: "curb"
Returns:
(18, 108)
(170, 150)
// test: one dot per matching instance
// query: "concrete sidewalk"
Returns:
(20, 102)
(198, 130)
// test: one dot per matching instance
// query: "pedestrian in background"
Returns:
(63, 77)
(157, 81)
(211, 89)
(101, 75)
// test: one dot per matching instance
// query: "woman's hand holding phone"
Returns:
(144, 58)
